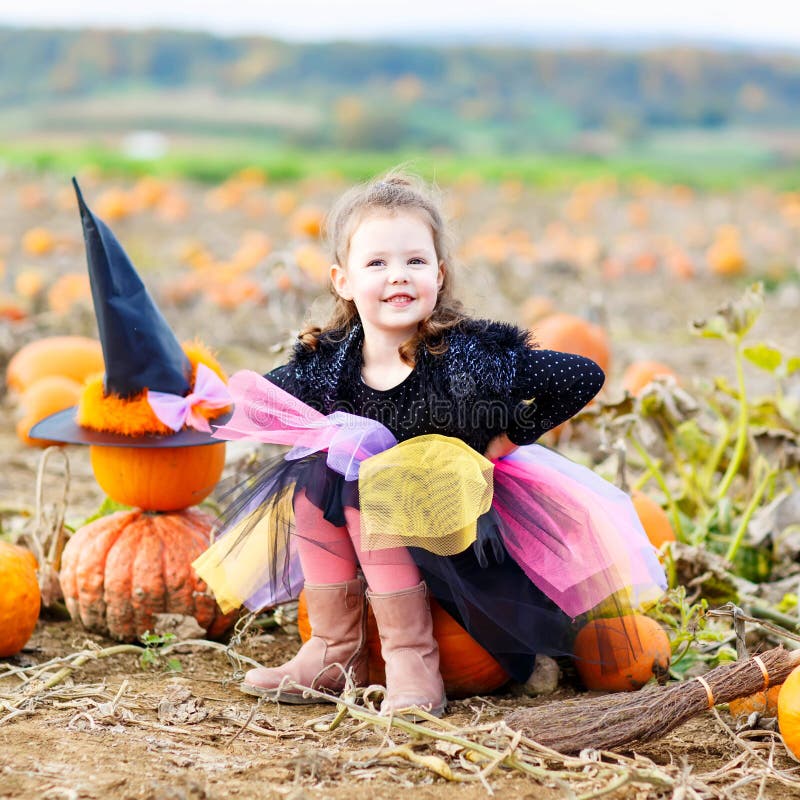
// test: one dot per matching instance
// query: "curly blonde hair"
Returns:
(394, 191)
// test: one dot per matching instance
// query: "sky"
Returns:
(766, 22)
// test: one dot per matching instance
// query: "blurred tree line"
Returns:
(388, 96)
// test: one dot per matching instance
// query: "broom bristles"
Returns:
(611, 721)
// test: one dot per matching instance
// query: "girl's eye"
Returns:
(417, 261)
(377, 262)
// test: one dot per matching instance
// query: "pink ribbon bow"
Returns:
(175, 411)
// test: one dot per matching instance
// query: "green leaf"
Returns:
(713, 328)
(733, 319)
(764, 356)
(174, 665)
(692, 440)
(108, 506)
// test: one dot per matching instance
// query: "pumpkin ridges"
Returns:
(199, 525)
(68, 578)
(621, 653)
(91, 548)
(178, 554)
(148, 589)
(138, 550)
(119, 613)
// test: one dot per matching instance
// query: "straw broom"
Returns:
(613, 721)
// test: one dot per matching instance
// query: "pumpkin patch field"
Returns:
(118, 671)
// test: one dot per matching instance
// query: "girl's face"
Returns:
(392, 274)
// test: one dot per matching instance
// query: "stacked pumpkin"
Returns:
(121, 569)
(147, 424)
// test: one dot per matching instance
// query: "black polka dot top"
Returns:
(553, 387)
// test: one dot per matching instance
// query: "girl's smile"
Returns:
(393, 274)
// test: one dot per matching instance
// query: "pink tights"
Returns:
(330, 555)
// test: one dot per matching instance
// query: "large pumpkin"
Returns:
(19, 598)
(789, 712)
(158, 479)
(571, 334)
(621, 654)
(75, 357)
(467, 669)
(120, 570)
(654, 519)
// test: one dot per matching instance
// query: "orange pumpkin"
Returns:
(621, 653)
(763, 703)
(158, 479)
(640, 373)
(654, 519)
(467, 669)
(789, 711)
(20, 598)
(571, 334)
(44, 397)
(69, 291)
(74, 357)
(38, 242)
(307, 221)
(120, 570)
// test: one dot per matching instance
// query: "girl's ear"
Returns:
(340, 283)
(440, 277)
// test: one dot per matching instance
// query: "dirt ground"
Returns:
(138, 734)
(114, 730)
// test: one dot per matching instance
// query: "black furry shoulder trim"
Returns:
(495, 335)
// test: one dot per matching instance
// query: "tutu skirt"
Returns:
(518, 551)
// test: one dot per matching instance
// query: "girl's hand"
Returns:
(499, 446)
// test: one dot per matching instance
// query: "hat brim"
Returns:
(62, 427)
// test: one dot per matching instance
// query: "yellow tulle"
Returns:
(233, 566)
(424, 492)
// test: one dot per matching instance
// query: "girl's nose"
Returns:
(397, 273)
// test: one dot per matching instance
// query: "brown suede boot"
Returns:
(336, 613)
(409, 650)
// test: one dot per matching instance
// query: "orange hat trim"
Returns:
(133, 416)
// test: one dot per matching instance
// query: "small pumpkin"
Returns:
(571, 334)
(44, 397)
(75, 357)
(640, 373)
(467, 668)
(764, 703)
(20, 599)
(654, 519)
(120, 570)
(789, 711)
(158, 479)
(153, 479)
(621, 654)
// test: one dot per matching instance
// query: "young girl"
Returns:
(512, 540)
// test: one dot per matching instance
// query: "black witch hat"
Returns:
(140, 350)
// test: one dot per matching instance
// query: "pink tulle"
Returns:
(266, 413)
(575, 535)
